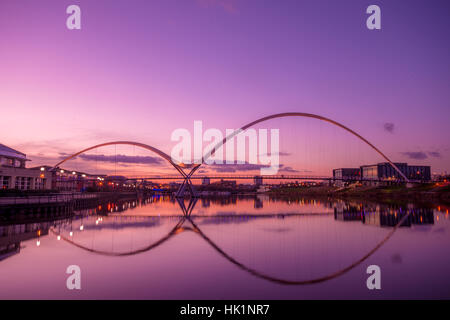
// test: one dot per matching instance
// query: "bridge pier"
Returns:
(186, 185)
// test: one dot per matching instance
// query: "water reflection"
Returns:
(145, 224)
(383, 216)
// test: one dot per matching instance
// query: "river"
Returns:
(230, 248)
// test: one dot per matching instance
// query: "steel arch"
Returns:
(305, 115)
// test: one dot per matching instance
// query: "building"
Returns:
(383, 171)
(14, 174)
(441, 177)
(344, 176)
(67, 180)
(422, 173)
(257, 180)
(206, 181)
(226, 183)
(386, 172)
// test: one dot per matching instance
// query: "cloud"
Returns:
(281, 153)
(434, 154)
(396, 258)
(122, 158)
(287, 169)
(231, 168)
(236, 167)
(420, 155)
(415, 155)
(389, 127)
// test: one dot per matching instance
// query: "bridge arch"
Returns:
(131, 143)
(304, 115)
(194, 167)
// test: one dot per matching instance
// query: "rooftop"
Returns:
(10, 152)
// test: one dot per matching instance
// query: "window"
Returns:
(5, 183)
(7, 162)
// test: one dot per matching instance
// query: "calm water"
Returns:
(247, 248)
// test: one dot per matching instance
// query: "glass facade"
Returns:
(370, 172)
(385, 171)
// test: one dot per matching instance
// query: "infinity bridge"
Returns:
(187, 171)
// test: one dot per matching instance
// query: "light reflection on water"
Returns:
(229, 248)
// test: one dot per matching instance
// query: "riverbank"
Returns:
(388, 194)
(62, 197)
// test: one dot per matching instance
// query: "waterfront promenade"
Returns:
(55, 198)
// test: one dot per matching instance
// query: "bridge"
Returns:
(234, 177)
(193, 167)
(261, 178)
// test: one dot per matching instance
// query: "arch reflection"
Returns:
(186, 223)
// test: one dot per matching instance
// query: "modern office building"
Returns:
(386, 172)
(422, 173)
(14, 174)
(344, 176)
(381, 173)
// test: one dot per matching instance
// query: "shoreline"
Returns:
(389, 195)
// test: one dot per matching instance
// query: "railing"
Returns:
(246, 177)
(46, 199)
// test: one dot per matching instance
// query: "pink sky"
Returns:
(139, 71)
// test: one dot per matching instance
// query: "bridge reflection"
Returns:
(187, 223)
(108, 215)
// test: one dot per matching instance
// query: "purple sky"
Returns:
(137, 70)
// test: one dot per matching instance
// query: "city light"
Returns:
(42, 169)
